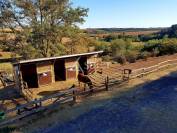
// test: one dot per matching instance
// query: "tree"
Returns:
(40, 24)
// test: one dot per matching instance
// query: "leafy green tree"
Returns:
(40, 24)
(101, 45)
(161, 47)
(120, 46)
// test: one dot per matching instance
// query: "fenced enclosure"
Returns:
(102, 80)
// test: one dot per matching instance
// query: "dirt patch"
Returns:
(67, 113)
(146, 63)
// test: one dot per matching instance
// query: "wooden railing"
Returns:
(147, 70)
(21, 111)
(69, 95)
(27, 94)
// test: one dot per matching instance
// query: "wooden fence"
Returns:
(21, 111)
(71, 94)
(144, 71)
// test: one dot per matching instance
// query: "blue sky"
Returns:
(129, 13)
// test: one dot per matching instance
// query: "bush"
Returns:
(131, 56)
(106, 58)
(100, 45)
(144, 55)
(155, 52)
(120, 59)
(161, 47)
(118, 47)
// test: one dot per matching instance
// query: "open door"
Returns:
(29, 75)
(60, 70)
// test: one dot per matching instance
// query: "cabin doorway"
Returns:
(60, 70)
(83, 65)
(29, 75)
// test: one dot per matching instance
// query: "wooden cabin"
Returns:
(40, 72)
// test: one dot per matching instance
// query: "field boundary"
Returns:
(147, 70)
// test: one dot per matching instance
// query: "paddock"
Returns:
(53, 74)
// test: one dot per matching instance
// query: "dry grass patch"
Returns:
(7, 67)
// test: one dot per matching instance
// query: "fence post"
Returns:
(74, 95)
(40, 103)
(85, 85)
(143, 73)
(107, 83)
(18, 111)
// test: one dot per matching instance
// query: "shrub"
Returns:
(106, 58)
(118, 47)
(120, 59)
(100, 45)
(144, 55)
(131, 56)
(155, 52)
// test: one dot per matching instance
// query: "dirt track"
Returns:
(149, 108)
(61, 117)
(150, 62)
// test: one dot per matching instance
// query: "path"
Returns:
(151, 108)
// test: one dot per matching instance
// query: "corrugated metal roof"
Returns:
(59, 57)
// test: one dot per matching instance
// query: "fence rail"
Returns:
(147, 70)
(37, 105)
(71, 94)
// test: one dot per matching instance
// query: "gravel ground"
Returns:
(149, 109)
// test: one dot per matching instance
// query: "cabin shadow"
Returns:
(9, 93)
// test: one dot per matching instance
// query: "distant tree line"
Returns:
(164, 33)
(118, 30)
(131, 48)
